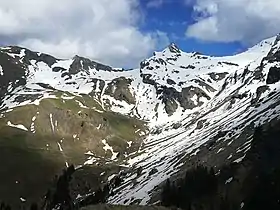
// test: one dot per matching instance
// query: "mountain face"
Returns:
(141, 126)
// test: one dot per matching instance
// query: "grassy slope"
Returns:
(30, 161)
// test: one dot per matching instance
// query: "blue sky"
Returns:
(173, 17)
(122, 33)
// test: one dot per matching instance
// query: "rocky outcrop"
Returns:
(81, 63)
(204, 85)
(273, 75)
(259, 92)
(173, 48)
(170, 82)
(217, 76)
(188, 98)
(274, 54)
(30, 55)
(13, 74)
(98, 86)
(119, 89)
(147, 79)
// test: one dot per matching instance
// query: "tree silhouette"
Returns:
(184, 193)
(34, 206)
(59, 197)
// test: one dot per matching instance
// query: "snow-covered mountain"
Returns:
(175, 109)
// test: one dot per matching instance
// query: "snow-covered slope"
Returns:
(164, 87)
(189, 100)
(217, 132)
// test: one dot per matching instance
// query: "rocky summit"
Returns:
(130, 130)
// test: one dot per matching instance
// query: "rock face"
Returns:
(119, 90)
(12, 73)
(80, 63)
(273, 75)
(188, 98)
(176, 110)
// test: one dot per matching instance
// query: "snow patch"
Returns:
(194, 99)
(111, 177)
(229, 157)
(97, 110)
(22, 199)
(129, 144)
(220, 150)
(1, 71)
(59, 147)
(32, 126)
(81, 104)
(239, 159)
(90, 161)
(66, 97)
(89, 153)
(19, 126)
(51, 120)
(98, 127)
(229, 180)
(137, 130)
(108, 147)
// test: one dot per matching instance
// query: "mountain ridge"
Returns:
(176, 108)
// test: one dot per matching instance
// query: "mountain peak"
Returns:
(277, 38)
(173, 48)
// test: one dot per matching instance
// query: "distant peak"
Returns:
(77, 57)
(197, 53)
(277, 37)
(174, 48)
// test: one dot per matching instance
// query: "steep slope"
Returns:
(142, 125)
(216, 133)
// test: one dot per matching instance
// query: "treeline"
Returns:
(198, 190)
(265, 174)
(199, 183)
(58, 196)
(256, 184)
(100, 195)
(4, 206)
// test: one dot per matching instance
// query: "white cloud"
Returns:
(155, 3)
(248, 21)
(161, 38)
(103, 30)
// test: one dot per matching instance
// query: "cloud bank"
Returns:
(104, 30)
(247, 21)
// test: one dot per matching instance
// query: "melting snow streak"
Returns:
(51, 119)
(108, 147)
(22, 127)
